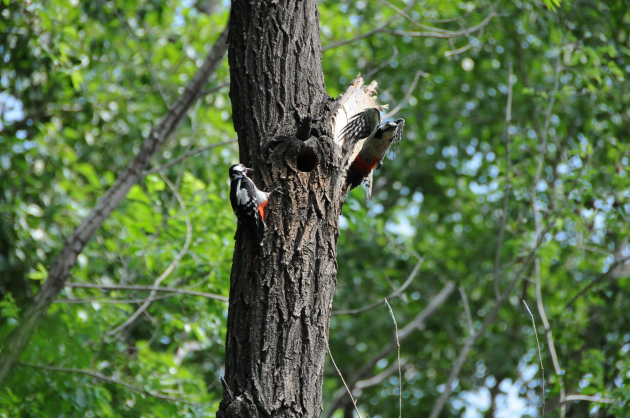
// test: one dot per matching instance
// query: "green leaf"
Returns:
(77, 79)
(40, 274)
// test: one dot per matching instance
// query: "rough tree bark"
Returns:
(281, 293)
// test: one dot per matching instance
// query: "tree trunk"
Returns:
(281, 293)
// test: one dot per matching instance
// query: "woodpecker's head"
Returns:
(387, 130)
(238, 170)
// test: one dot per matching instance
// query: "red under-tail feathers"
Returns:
(359, 169)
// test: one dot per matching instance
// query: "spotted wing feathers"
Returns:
(361, 125)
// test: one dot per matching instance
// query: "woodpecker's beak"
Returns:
(248, 170)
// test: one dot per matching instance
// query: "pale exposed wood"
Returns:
(353, 101)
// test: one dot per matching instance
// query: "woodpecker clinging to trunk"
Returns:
(379, 138)
(247, 201)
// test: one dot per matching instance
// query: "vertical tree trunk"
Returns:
(281, 293)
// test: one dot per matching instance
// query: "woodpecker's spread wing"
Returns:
(362, 124)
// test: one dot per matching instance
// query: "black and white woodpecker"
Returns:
(380, 137)
(247, 201)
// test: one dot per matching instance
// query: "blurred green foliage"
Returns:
(83, 83)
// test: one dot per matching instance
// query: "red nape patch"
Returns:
(261, 209)
(362, 167)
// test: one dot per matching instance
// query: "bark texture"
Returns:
(281, 293)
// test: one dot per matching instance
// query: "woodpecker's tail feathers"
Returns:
(260, 229)
(368, 185)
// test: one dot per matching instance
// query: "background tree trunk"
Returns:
(281, 293)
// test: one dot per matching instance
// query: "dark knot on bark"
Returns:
(304, 126)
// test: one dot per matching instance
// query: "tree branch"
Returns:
(588, 398)
(374, 31)
(439, 405)
(506, 191)
(396, 293)
(136, 41)
(213, 89)
(189, 154)
(405, 100)
(597, 280)
(17, 340)
(348, 391)
(391, 312)
(381, 377)
(447, 34)
(463, 355)
(535, 213)
(147, 289)
(471, 328)
(383, 64)
(542, 369)
(405, 332)
(170, 267)
(100, 376)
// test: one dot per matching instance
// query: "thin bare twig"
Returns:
(506, 191)
(188, 154)
(213, 89)
(148, 289)
(405, 332)
(383, 64)
(450, 20)
(435, 32)
(169, 269)
(446, 34)
(542, 369)
(535, 213)
(545, 132)
(550, 343)
(393, 295)
(111, 301)
(597, 280)
(407, 97)
(354, 402)
(588, 398)
(471, 328)
(404, 14)
(381, 377)
(102, 377)
(470, 342)
(391, 312)
(456, 51)
(374, 31)
(180, 173)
